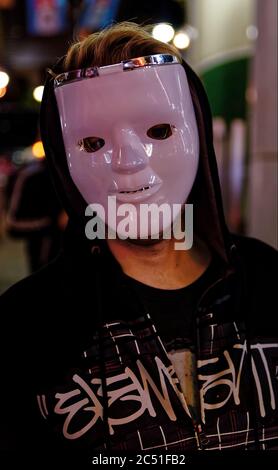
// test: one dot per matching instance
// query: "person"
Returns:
(131, 341)
(34, 213)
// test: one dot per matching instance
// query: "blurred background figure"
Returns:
(231, 44)
(34, 213)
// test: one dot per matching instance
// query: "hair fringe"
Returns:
(120, 41)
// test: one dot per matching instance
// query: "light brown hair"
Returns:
(119, 42)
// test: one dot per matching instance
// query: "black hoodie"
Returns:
(84, 369)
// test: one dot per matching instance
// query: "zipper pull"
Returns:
(201, 437)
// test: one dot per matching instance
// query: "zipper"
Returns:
(201, 438)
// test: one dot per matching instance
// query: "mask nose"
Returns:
(129, 155)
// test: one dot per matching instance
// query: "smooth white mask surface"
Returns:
(132, 135)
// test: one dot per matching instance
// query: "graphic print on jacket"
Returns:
(146, 405)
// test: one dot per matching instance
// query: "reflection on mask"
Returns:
(131, 134)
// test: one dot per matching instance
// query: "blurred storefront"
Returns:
(235, 53)
(262, 201)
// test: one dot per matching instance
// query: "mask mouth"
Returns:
(136, 187)
(136, 195)
(128, 191)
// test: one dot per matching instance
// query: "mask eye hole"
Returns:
(160, 131)
(91, 144)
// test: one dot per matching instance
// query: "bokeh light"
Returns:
(163, 32)
(37, 93)
(38, 150)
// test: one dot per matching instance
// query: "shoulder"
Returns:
(256, 254)
(259, 263)
(54, 291)
(34, 290)
(249, 244)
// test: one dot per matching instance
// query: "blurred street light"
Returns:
(4, 79)
(38, 150)
(163, 32)
(37, 93)
(181, 40)
(3, 91)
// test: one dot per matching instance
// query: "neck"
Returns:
(160, 265)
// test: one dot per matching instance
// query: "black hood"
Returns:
(209, 220)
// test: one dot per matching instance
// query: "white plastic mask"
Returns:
(130, 131)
